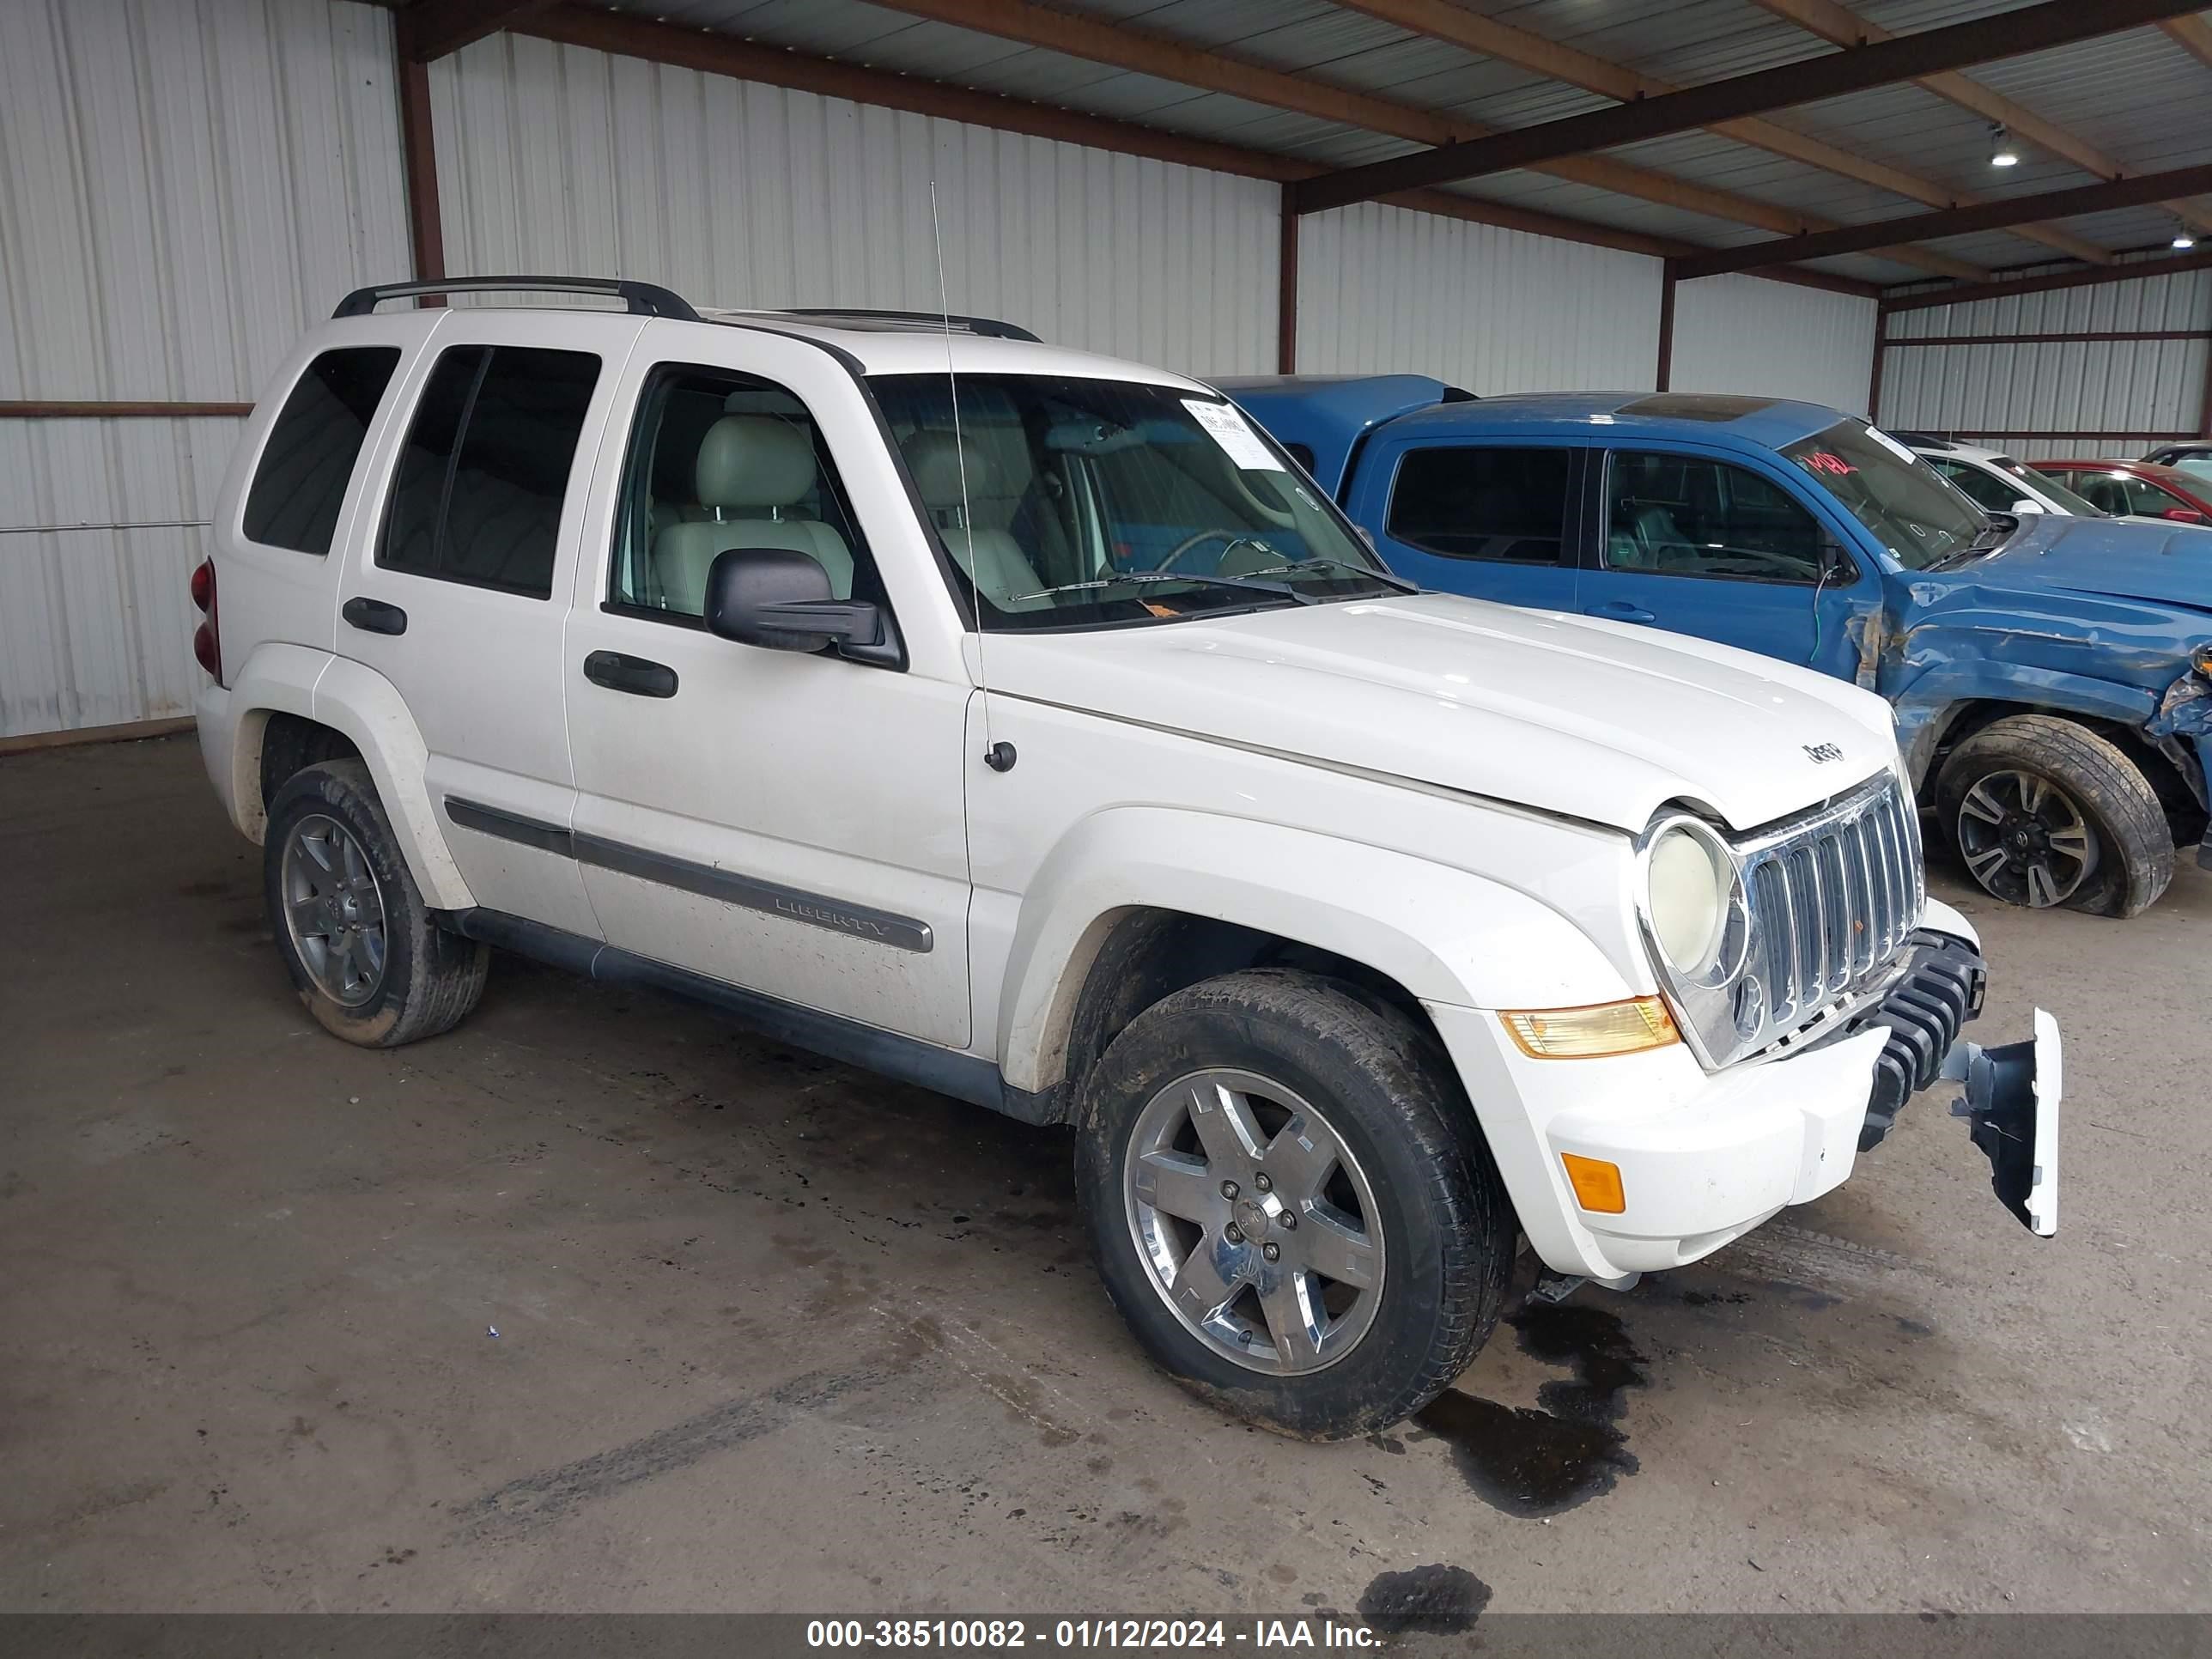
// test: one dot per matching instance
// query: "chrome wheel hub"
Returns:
(333, 910)
(1258, 1227)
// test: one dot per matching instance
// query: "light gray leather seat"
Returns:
(750, 469)
(1001, 569)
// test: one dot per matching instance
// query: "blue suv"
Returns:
(2052, 676)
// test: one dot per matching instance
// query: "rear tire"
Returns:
(2046, 812)
(363, 952)
(1341, 1113)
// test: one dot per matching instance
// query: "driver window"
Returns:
(719, 459)
(1684, 515)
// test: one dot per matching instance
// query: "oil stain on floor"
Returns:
(1444, 1600)
(1570, 1447)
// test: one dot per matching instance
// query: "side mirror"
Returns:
(779, 599)
(2024, 504)
(2182, 515)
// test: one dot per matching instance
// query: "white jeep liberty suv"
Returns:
(1024, 724)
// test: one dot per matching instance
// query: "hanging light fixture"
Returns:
(2183, 236)
(2003, 153)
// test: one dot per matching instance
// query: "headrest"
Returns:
(934, 456)
(753, 460)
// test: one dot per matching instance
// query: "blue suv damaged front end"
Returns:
(2097, 627)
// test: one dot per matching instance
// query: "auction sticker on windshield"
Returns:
(1891, 444)
(1226, 424)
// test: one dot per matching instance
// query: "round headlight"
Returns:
(1690, 887)
(2201, 659)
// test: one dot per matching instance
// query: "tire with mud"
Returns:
(363, 952)
(1291, 1203)
(2046, 812)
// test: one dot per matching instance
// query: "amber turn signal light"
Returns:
(1609, 1028)
(1596, 1183)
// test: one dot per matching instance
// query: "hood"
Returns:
(1604, 721)
(2115, 558)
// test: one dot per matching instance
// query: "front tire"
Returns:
(2046, 812)
(1289, 1203)
(363, 952)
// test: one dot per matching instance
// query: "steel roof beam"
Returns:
(1488, 37)
(1840, 26)
(1833, 75)
(430, 29)
(1956, 221)
(1141, 51)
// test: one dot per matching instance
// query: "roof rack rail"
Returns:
(642, 299)
(989, 327)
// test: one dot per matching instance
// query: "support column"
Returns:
(419, 155)
(1666, 329)
(1286, 300)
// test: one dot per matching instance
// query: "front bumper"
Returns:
(1704, 1157)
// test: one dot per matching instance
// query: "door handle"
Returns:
(1620, 611)
(375, 616)
(635, 675)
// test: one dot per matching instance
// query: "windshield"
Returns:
(1909, 508)
(1108, 504)
(2080, 506)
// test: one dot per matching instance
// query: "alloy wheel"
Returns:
(1254, 1221)
(334, 910)
(2024, 839)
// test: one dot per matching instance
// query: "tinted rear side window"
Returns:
(301, 482)
(477, 497)
(1503, 504)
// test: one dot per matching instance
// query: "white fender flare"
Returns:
(1446, 935)
(354, 698)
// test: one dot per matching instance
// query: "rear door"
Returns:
(458, 591)
(1697, 543)
(1495, 521)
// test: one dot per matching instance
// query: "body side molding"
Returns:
(816, 910)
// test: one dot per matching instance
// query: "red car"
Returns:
(2140, 487)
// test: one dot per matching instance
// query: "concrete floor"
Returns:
(770, 1334)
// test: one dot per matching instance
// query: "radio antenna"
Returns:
(960, 456)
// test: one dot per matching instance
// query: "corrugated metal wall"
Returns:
(184, 185)
(1384, 289)
(2131, 390)
(1746, 334)
(560, 158)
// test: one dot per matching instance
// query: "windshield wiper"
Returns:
(1143, 577)
(1997, 528)
(1318, 560)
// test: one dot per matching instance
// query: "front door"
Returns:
(461, 597)
(1702, 546)
(1495, 521)
(790, 824)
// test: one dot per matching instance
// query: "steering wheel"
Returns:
(1230, 536)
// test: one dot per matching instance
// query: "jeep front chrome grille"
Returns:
(1833, 895)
